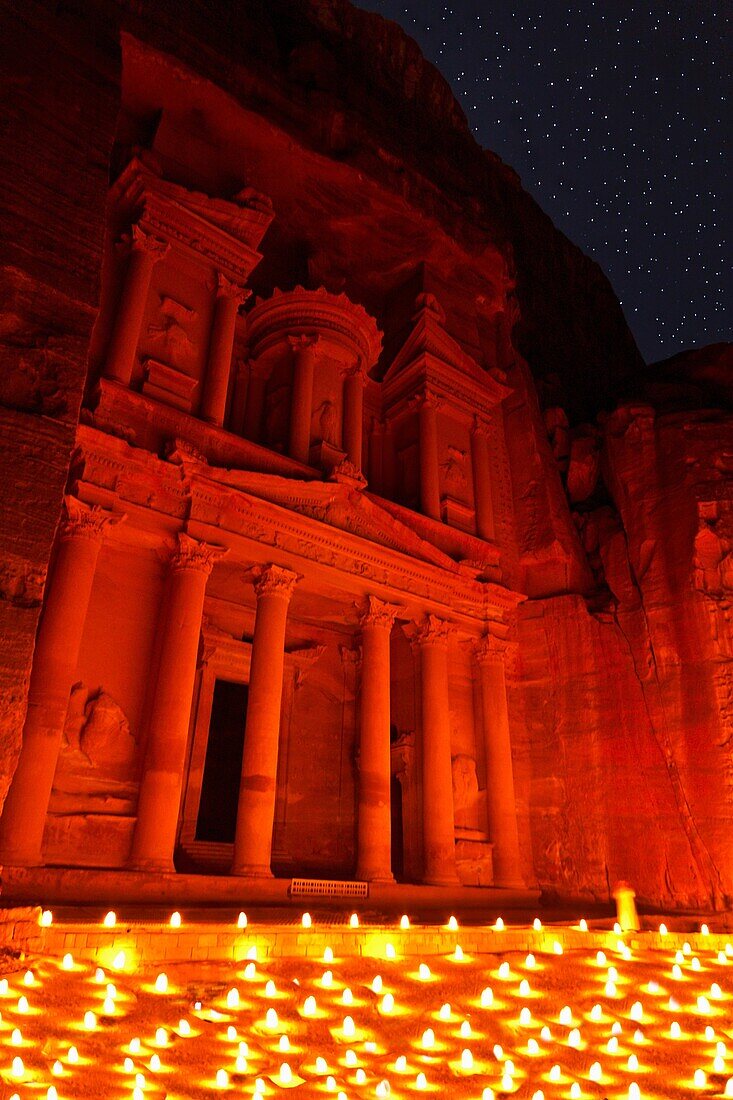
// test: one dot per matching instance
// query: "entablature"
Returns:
(161, 498)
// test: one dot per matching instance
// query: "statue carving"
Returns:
(454, 471)
(465, 788)
(170, 337)
(327, 422)
(97, 727)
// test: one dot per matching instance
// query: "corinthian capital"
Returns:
(491, 650)
(356, 370)
(192, 554)
(378, 613)
(480, 426)
(145, 242)
(275, 580)
(225, 288)
(433, 631)
(303, 341)
(84, 521)
(426, 400)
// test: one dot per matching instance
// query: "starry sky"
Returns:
(614, 114)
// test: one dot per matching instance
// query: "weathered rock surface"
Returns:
(60, 100)
(632, 690)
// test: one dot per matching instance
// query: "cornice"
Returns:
(160, 496)
(222, 232)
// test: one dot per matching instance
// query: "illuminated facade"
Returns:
(275, 603)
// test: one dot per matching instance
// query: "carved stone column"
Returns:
(54, 665)
(354, 415)
(257, 791)
(429, 472)
(145, 251)
(437, 777)
(374, 849)
(389, 462)
(491, 654)
(376, 443)
(304, 350)
(165, 753)
(229, 298)
(482, 480)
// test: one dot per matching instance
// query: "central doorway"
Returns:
(398, 852)
(217, 815)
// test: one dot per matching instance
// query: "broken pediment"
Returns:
(226, 232)
(431, 356)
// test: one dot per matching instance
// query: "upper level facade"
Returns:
(301, 383)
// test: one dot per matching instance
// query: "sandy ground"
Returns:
(386, 1053)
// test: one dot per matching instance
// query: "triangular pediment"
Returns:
(336, 504)
(429, 340)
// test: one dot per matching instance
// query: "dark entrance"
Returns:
(398, 854)
(217, 817)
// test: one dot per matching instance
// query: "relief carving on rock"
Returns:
(97, 729)
(712, 562)
(454, 471)
(465, 789)
(170, 336)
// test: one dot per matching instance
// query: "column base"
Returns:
(157, 866)
(252, 870)
(441, 880)
(374, 876)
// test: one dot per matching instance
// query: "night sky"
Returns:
(615, 116)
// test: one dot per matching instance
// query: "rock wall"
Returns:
(628, 689)
(60, 105)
